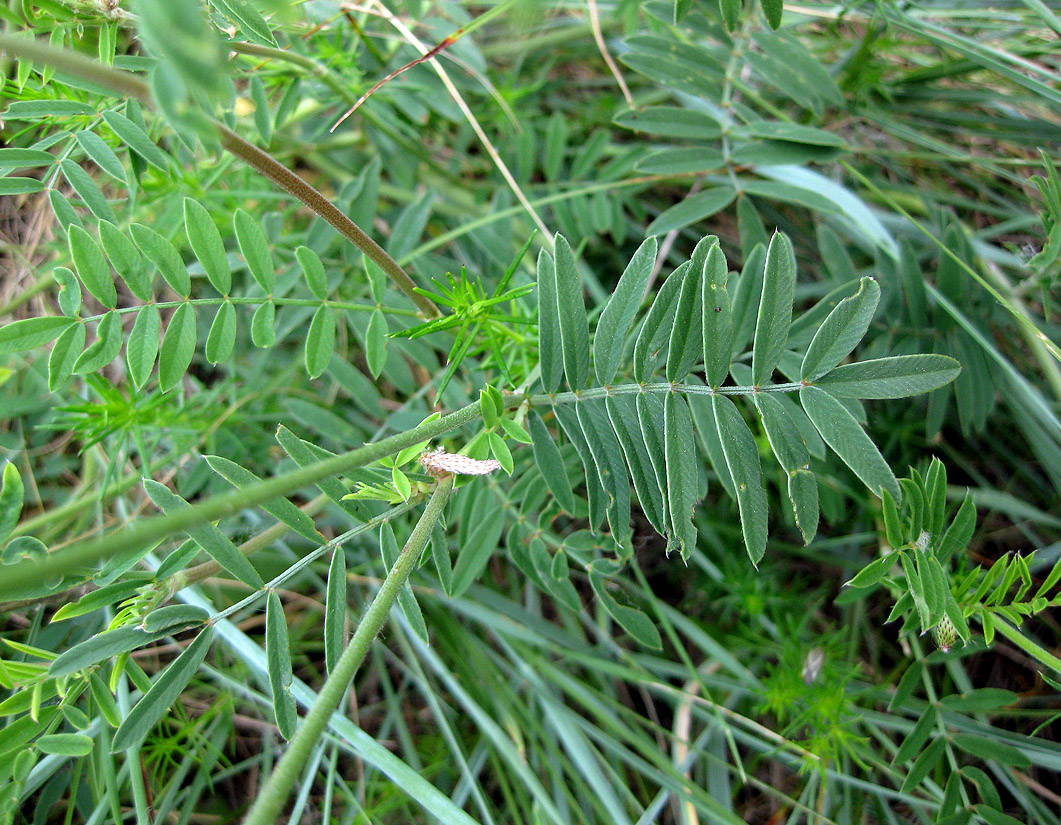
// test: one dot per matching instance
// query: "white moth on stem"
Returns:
(439, 463)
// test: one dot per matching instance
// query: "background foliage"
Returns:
(669, 264)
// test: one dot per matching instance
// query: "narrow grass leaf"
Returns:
(30, 333)
(207, 245)
(841, 331)
(717, 316)
(775, 308)
(102, 155)
(618, 315)
(126, 260)
(848, 440)
(895, 377)
(656, 329)
(742, 458)
(178, 347)
(630, 619)
(280, 508)
(550, 349)
(550, 463)
(571, 310)
(278, 663)
(686, 344)
(221, 339)
(681, 472)
(163, 693)
(136, 139)
(142, 346)
(92, 267)
(985, 748)
(622, 412)
(335, 610)
(207, 535)
(320, 341)
(477, 549)
(694, 208)
(791, 453)
(165, 256)
(255, 249)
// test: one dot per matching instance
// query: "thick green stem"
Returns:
(1033, 649)
(31, 572)
(277, 789)
(129, 85)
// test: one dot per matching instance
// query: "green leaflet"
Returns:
(791, 453)
(717, 316)
(335, 609)
(742, 458)
(12, 492)
(686, 339)
(775, 308)
(87, 190)
(320, 341)
(102, 155)
(221, 339)
(749, 288)
(136, 139)
(178, 347)
(594, 491)
(618, 315)
(126, 260)
(896, 377)
(681, 472)
(255, 249)
(142, 346)
(165, 256)
(550, 463)
(101, 647)
(656, 329)
(550, 349)
(841, 331)
(207, 245)
(571, 310)
(622, 411)
(104, 349)
(92, 267)
(278, 665)
(313, 269)
(848, 440)
(650, 420)
(696, 207)
(609, 466)
(29, 333)
(630, 619)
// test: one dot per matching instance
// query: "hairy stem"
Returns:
(277, 789)
(127, 84)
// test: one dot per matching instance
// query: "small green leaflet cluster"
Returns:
(136, 261)
(697, 322)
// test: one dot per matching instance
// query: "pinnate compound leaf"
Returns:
(221, 339)
(694, 208)
(165, 256)
(550, 463)
(681, 472)
(848, 440)
(550, 350)
(895, 377)
(92, 267)
(255, 250)
(208, 536)
(278, 665)
(630, 619)
(207, 245)
(618, 315)
(178, 347)
(163, 693)
(142, 347)
(571, 310)
(742, 458)
(841, 331)
(320, 341)
(775, 308)
(30, 333)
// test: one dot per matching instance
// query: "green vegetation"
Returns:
(736, 322)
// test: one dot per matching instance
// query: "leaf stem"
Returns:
(126, 84)
(270, 802)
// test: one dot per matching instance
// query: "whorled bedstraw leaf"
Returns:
(320, 341)
(681, 457)
(104, 349)
(775, 308)
(136, 139)
(841, 331)
(618, 315)
(280, 508)
(898, 376)
(178, 347)
(656, 329)
(335, 609)
(142, 346)
(278, 665)
(609, 466)
(571, 310)
(622, 411)
(742, 458)
(255, 249)
(550, 463)
(207, 245)
(208, 536)
(686, 339)
(717, 316)
(848, 440)
(792, 454)
(92, 267)
(126, 260)
(163, 693)
(550, 350)
(221, 339)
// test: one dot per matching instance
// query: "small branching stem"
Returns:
(270, 802)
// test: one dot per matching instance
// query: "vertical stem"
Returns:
(266, 809)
